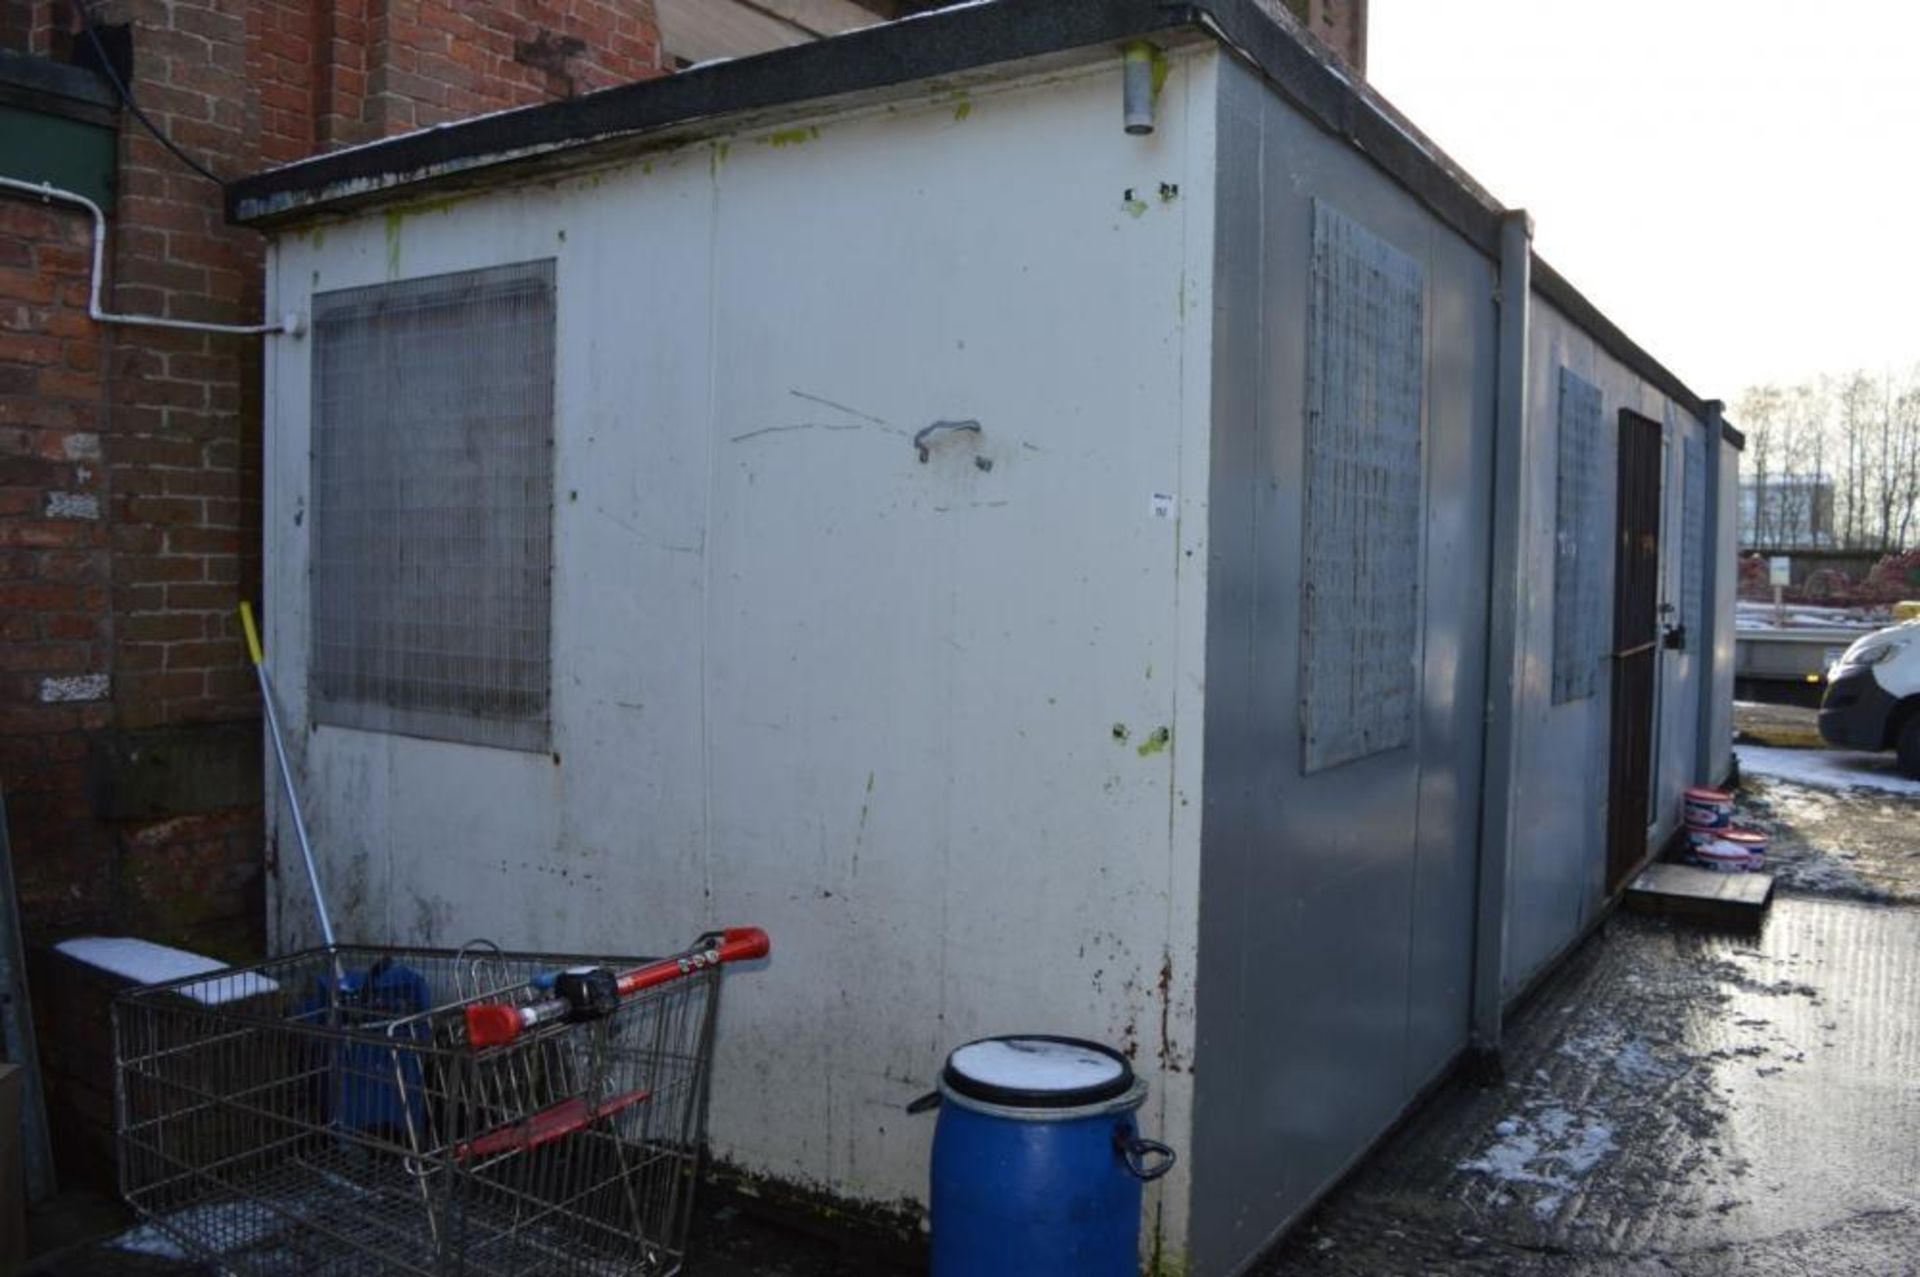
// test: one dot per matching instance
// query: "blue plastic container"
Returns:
(1037, 1161)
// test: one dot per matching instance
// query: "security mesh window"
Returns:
(1578, 543)
(433, 506)
(1693, 538)
(1360, 604)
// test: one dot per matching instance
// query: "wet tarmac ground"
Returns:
(1675, 1102)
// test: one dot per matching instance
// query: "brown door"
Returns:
(1636, 646)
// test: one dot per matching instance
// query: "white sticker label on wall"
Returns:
(1161, 504)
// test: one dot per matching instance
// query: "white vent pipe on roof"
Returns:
(1139, 87)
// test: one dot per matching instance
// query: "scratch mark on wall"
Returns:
(640, 536)
(860, 832)
(835, 427)
(838, 407)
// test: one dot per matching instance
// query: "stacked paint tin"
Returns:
(1712, 839)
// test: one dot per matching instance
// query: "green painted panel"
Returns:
(75, 156)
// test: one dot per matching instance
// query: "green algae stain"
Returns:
(791, 137)
(962, 109)
(396, 218)
(1156, 743)
(1134, 207)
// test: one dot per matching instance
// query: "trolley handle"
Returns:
(586, 993)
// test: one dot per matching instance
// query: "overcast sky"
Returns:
(1733, 181)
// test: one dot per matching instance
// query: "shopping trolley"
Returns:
(354, 1110)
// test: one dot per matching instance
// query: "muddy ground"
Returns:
(1859, 845)
(1856, 843)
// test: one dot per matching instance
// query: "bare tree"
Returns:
(1857, 400)
(1833, 462)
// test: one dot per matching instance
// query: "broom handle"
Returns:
(286, 772)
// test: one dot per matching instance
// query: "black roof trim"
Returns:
(879, 57)
(892, 55)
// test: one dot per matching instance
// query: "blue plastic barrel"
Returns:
(1037, 1161)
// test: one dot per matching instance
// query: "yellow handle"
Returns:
(253, 635)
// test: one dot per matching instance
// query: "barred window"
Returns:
(1693, 539)
(433, 506)
(1578, 570)
(1360, 604)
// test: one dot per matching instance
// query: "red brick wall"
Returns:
(1340, 25)
(55, 627)
(437, 60)
(130, 458)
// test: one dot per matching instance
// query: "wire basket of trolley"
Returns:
(387, 1110)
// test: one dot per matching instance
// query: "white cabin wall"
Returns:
(801, 679)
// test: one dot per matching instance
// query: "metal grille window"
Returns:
(433, 506)
(1578, 544)
(1360, 604)
(1693, 538)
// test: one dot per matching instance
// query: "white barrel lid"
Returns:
(1039, 1071)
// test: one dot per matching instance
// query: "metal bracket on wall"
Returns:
(923, 440)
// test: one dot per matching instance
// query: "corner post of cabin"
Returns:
(1713, 417)
(1507, 596)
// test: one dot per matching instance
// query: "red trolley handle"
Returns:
(589, 992)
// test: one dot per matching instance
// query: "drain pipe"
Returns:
(1137, 87)
(1506, 604)
(293, 325)
(1712, 624)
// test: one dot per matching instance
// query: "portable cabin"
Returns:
(1070, 513)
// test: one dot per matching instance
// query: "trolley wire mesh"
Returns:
(324, 1114)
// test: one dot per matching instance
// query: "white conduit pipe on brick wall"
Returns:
(293, 325)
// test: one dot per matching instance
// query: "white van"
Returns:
(1873, 695)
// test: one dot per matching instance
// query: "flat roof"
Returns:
(959, 45)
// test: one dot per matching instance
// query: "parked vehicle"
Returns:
(1873, 695)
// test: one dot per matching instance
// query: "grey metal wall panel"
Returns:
(1336, 906)
(1556, 884)
(433, 506)
(1579, 612)
(1360, 602)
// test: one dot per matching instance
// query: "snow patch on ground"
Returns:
(1552, 1148)
(1827, 769)
(1632, 1059)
